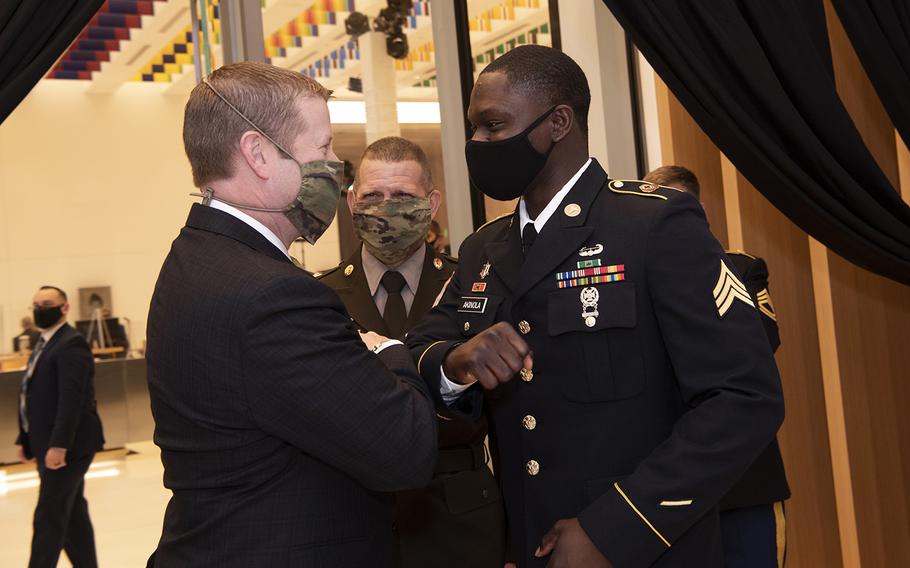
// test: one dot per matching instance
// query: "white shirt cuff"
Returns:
(450, 391)
(385, 344)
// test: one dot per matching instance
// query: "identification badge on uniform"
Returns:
(479, 287)
(589, 298)
(472, 305)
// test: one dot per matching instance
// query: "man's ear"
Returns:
(435, 201)
(350, 197)
(562, 120)
(254, 153)
(65, 309)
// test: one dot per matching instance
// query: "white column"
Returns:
(595, 40)
(378, 87)
(452, 131)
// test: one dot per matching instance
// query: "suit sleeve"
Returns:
(311, 381)
(74, 365)
(755, 278)
(728, 381)
(432, 339)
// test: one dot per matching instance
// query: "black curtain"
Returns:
(33, 34)
(880, 33)
(757, 76)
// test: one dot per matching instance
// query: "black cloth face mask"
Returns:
(46, 316)
(503, 169)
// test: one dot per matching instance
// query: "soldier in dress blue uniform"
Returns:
(603, 330)
(752, 518)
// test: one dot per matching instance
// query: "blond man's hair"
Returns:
(265, 94)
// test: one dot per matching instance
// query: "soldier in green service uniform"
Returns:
(387, 286)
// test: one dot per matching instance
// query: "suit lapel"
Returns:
(215, 221)
(48, 349)
(563, 234)
(356, 297)
(431, 282)
(504, 255)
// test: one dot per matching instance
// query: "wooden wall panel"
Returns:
(872, 319)
(812, 529)
(683, 143)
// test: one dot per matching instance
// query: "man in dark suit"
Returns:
(60, 430)
(387, 286)
(280, 431)
(624, 370)
(752, 518)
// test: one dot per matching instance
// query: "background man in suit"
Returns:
(60, 430)
(387, 286)
(627, 380)
(752, 512)
(279, 430)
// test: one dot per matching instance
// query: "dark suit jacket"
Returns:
(637, 419)
(60, 402)
(458, 519)
(765, 482)
(277, 450)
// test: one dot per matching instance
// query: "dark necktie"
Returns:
(395, 315)
(528, 236)
(23, 391)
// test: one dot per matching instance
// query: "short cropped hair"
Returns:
(398, 149)
(548, 73)
(265, 94)
(675, 176)
(59, 291)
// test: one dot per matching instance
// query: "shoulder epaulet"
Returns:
(642, 188)
(324, 273)
(490, 222)
(741, 252)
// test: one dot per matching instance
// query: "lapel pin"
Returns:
(572, 210)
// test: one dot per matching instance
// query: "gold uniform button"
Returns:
(527, 375)
(524, 327)
(437, 263)
(529, 422)
(348, 270)
(532, 467)
(467, 326)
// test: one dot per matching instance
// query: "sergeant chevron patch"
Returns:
(765, 305)
(728, 289)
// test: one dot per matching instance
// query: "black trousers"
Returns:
(61, 517)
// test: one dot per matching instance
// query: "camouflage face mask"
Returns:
(314, 208)
(392, 229)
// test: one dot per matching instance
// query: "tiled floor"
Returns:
(126, 500)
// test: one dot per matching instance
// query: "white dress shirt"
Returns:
(256, 225)
(449, 390)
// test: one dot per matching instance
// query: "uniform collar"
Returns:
(552, 206)
(411, 268)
